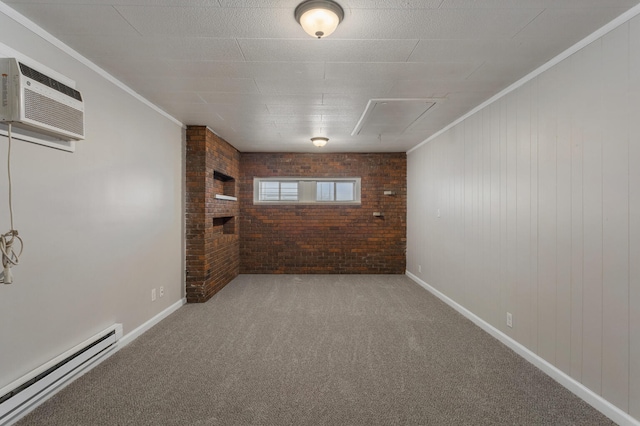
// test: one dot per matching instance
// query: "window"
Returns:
(278, 191)
(291, 190)
(335, 191)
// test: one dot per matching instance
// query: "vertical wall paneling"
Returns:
(456, 231)
(592, 221)
(540, 195)
(435, 202)
(413, 218)
(468, 210)
(563, 221)
(487, 281)
(634, 218)
(445, 211)
(579, 105)
(475, 140)
(422, 194)
(533, 209)
(424, 216)
(615, 225)
(523, 211)
(511, 212)
(547, 185)
(504, 277)
(494, 217)
(480, 178)
(429, 201)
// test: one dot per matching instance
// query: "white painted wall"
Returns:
(539, 200)
(102, 226)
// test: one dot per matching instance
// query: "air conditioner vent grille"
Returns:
(53, 113)
(50, 82)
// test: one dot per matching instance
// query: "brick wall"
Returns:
(325, 239)
(212, 231)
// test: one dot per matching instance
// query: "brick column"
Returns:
(212, 231)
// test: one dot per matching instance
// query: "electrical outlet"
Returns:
(419, 268)
(509, 320)
(153, 294)
(161, 291)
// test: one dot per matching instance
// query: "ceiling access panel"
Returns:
(393, 117)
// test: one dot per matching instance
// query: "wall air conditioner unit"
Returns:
(33, 101)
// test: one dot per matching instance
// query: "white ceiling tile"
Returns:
(347, 120)
(568, 25)
(428, 89)
(203, 85)
(207, 3)
(248, 99)
(400, 70)
(290, 87)
(456, 98)
(339, 99)
(290, 119)
(239, 110)
(311, 110)
(135, 47)
(255, 112)
(165, 65)
(134, 66)
(212, 21)
(169, 97)
(300, 130)
(329, 50)
(374, 88)
(511, 4)
(502, 72)
(435, 23)
(391, 4)
(471, 50)
(198, 69)
(346, 4)
(62, 19)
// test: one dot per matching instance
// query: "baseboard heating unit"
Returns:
(24, 394)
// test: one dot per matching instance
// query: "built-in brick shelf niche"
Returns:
(225, 191)
(225, 187)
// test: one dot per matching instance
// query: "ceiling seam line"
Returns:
(127, 21)
(412, 50)
(244, 58)
(475, 70)
(528, 23)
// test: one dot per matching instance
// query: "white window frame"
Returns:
(307, 190)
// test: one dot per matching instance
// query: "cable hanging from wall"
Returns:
(10, 257)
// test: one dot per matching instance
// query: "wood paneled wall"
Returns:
(532, 206)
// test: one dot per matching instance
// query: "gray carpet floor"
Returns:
(316, 350)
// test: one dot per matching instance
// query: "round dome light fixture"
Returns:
(319, 18)
(319, 141)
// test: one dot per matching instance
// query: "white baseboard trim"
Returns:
(43, 382)
(586, 394)
(121, 342)
(135, 333)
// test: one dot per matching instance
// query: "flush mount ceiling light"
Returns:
(319, 18)
(319, 142)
